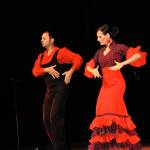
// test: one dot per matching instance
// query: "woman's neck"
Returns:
(109, 43)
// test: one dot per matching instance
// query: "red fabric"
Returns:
(88, 74)
(120, 138)
(110, 99)
(142, 61)
(64, 56)
(111, 108)
(37, 70)
(69, 57)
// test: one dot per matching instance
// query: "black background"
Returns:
(75, 24)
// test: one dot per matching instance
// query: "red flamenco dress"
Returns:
(112, 128)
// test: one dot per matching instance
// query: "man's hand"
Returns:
(68, 75)
(53, 72)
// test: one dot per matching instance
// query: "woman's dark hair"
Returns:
(113, 31)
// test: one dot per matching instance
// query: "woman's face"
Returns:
(46, 40)
(103, 39)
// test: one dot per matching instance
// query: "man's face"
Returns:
(46, 40)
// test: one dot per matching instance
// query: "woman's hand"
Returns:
(94, 71)
(118, 66)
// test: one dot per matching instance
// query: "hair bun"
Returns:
(115, 31)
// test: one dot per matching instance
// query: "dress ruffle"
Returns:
(113, 145)
(107, 120)
(142, 61)
(112, 131)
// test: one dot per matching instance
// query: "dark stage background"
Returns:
(75, 24)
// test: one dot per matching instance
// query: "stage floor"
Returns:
(72, 148)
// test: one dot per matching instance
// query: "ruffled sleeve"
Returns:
(37, 70)
(140, 62)
(69, 57)
(91, 63)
